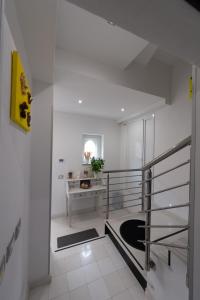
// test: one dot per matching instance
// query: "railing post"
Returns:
(143, 190)
(148, 219)
(108, 196)
(189, 223)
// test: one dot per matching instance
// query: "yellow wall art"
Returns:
(20, 108)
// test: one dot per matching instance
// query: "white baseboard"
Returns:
(54, 216)
(43, 281)
(82, 211)
(74, 212)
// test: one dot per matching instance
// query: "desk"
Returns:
(73, 191)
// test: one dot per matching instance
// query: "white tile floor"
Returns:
(92, 271)
(97, 271)
(59, 226)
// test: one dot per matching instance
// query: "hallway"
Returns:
(91, 89)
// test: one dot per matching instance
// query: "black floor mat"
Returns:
(77, 237)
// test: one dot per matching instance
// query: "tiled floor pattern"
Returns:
(60, 227)
(93, 271)
(93, 219)
(97, 271)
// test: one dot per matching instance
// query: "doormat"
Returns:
(78, 237)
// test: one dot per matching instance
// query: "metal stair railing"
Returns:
(128, 185)
(143, 187)
(147, 184)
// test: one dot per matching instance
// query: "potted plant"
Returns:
(97, 165)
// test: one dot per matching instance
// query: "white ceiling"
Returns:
(172, 25)
(81, 32)
(99, 98)
(38, 25)
(165, 57)
(103, 42)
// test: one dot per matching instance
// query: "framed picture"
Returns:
(20, 109)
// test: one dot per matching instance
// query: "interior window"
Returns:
(92, 147)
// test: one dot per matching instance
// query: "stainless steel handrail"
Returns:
(146, 193)
(167, 171)
(134, 181)
(122, 171)
(170, 235)
(132, 188)
(108, 196)
(185, 142)
(169, 152)
(125, 207)
(164, 244)
(168, 207)
(163, 226)
(136, 199)
(122, 195)
(147, 175)
(129, 188)
(137, 175)
(168, 189)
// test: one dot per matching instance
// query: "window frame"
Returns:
(99, 135)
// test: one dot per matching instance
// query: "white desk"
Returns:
(73, 191)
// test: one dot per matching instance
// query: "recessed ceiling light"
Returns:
(122, 109)
(111, 23)
(153, 115)
(80, 101)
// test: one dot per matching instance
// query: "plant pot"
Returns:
(97, 175)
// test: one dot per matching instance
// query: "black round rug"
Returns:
(131, 233)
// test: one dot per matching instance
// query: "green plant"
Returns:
(97, 164)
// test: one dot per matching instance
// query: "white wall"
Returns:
(15, 27)
(67, 144)
(172, 124)
(14, 183)
(131, 146)
(41, 151)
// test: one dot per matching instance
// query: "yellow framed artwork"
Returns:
(20, 108)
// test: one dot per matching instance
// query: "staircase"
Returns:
(146, 234)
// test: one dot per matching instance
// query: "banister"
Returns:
(164, 244)
(184, 143)
(122, 171)
(145, 184)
